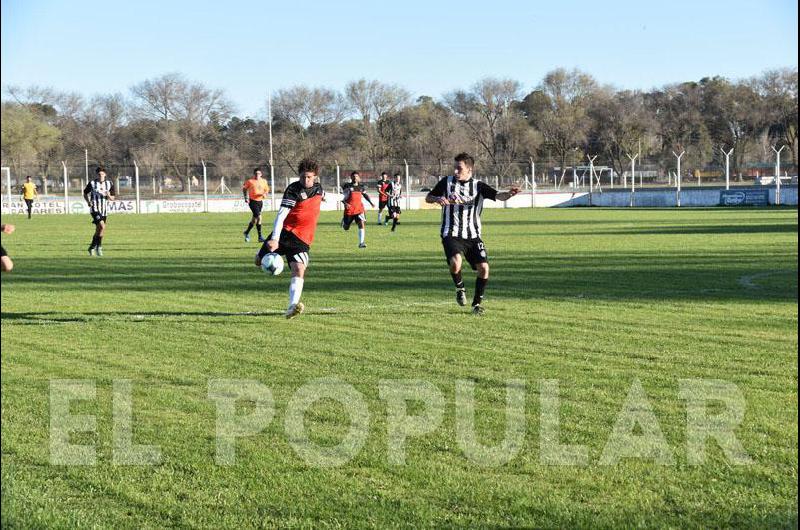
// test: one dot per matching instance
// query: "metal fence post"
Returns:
(205, 187)
(408, 189)
(678, 178)
(7, 171)
(66, 187)
(338, 183)
(136, 183)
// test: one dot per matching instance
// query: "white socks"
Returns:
(379, 217)
(295, 290)
(361, 234)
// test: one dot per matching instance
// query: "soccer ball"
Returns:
(272, 264)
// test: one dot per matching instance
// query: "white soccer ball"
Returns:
(272, 264)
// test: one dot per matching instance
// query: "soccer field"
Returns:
(595, 301)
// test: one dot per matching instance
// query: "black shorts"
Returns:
(473, 249)
(289, 245)
(3, 251)
(394, 210)
(255, 207)
(347, 220)
(29, 203)
(96, 217)
(382, 205)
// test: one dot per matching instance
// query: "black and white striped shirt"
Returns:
(96, 194)
(395, 192)
(463, 220)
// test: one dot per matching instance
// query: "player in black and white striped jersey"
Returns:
(97, 194)
(395, 191)
(461, 197)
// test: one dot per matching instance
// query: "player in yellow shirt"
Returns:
(29, 194)
(254, 191)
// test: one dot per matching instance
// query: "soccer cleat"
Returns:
(362, 245)
(99, 251)
(91, 251)
(261, 239)
(461, 297)
(477, 310)
(246, 237)
(295, 310)
(379, 223)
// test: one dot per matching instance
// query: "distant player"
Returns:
(354, 197)
(6, 265)
(461, 198)
(383, 196)
(29, 194)
(395, 194)
(294, 228)
(254, 191)
(97, 194)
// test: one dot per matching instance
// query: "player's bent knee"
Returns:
(7, 264)
(298, 270)
(483, 270)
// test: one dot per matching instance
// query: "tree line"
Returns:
(168, 123)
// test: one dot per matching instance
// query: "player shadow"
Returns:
(45, 317)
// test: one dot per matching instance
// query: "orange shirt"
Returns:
(257, 189)
(354, 204)
(304, 214)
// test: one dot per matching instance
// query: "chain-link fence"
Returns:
(208, 178)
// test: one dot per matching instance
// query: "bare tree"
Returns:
(559, 109)
(778, 88)
(489, 112)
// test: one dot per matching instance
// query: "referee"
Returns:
(97, 194)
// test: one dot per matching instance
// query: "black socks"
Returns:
(480, 287)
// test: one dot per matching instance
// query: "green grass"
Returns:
(595, 299)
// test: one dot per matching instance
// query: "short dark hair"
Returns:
(256, 170)
(354, 173)
(466, 158)
(384, 173)
(28, 177)
(99, 169)
(308, 165)
(398, 175)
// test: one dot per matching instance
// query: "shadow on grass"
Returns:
(522, 275)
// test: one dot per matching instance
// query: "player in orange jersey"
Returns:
(254, 191)
(354, 197)
(294, 228)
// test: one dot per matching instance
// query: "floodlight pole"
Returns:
(271, 165)
(205, 186)
(778, 174)
(633, 175)
(727, 167)
(66, 187)
(136, 183)
(678, 177)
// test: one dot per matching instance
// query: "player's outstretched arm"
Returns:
(505, 195)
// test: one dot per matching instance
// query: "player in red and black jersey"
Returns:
(294, 228)
(384, 187)
(354, 197)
